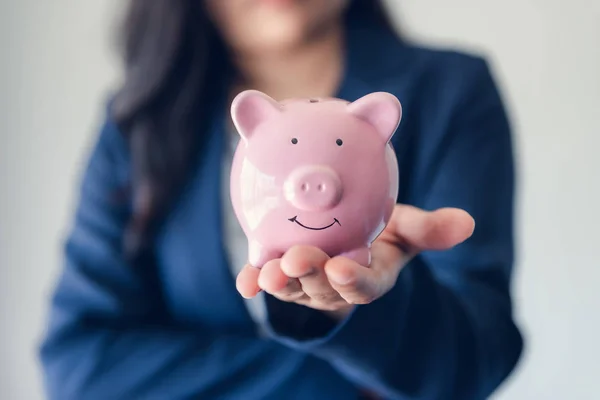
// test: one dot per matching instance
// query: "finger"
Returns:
(307, 264)
(385, 255)
(273, 281)
(247, 281)
(357, 284)
(418, 229)
(300, 261)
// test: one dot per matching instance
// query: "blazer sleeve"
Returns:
(104, 339)
(446, 330)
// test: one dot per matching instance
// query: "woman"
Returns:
(147, 305)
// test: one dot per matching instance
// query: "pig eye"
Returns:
(339, 142)
(294, 140)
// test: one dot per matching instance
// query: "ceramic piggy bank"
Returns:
(318, 172)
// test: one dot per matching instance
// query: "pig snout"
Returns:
(313, 188)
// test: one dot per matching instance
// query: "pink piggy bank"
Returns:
(318, 172)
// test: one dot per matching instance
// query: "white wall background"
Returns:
(57, 64)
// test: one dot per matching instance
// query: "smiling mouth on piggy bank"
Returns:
(295, 220)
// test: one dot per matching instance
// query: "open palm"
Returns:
(307, 276)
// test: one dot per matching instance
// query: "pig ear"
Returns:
(249, 109)
(382, 110)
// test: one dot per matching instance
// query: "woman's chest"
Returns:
(199, 249)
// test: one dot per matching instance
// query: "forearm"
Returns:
(94, 363)
(423, 339)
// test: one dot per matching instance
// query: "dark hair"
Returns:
(174, 62)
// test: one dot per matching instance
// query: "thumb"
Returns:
(429, 230)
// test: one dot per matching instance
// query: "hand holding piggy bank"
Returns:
(314, 172)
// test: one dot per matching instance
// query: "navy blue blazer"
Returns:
(178, 329)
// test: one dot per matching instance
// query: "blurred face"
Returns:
(267, 25)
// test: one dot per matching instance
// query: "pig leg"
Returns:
(362, 256)
(258, 255)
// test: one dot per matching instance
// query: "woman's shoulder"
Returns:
(444, 61)
(448, 71)
(426, 78)
(435, 74)
(439, 88)
(111, 139)
(108, 154)
(431, 81)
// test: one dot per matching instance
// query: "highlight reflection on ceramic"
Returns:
(259, 194)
